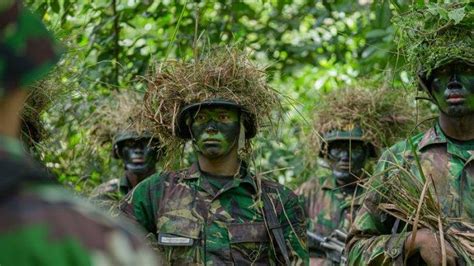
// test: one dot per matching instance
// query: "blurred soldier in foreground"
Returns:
(427, 181)
(121, 119)
(217, 211)
(40, 224)
(353, 123)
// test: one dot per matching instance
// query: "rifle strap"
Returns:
(274, 225)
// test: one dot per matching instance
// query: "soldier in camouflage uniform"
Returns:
(346, 148)
(330, 201)
(217, 211)
(139, 153)
(444, 153)
(40, 224)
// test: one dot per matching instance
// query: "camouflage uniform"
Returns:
(113, 189)
(198, 221)
(373, 238)
(328, 206)
(41, 224)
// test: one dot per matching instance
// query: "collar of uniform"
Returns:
(329, 183)
(124, 184)
(433, 136)
(436, 136)
(245, 176)
(11, 147)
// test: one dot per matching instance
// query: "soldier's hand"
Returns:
(428, 245)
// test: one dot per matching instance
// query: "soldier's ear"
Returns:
(423, 82)
(116, 151)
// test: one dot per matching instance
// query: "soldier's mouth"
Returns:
(138, 160)
(455, 98)
(344, 166)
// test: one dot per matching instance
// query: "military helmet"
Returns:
(182, 127)
(354, 133)
(127, 135)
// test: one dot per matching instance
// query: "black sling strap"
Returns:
(274, 225)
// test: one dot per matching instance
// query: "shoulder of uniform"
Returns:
(106, 187)
(74, 217)
(308, 186)
(271, 186)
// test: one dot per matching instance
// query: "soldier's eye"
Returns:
(224, 117)
(200, 118)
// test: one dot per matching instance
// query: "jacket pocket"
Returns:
(249, 243)
(179, 240)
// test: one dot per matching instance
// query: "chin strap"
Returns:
(241, 143)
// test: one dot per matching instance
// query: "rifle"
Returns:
(332, 246)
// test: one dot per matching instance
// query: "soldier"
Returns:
(350, 141)
(139, 153)
(120, 120)
(216, 211)
(40, 224)
(441, 49)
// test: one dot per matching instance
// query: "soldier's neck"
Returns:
(134, 178)
(459, 128)
(227, 165)
(10, 108)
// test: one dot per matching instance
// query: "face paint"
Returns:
(139, 156)
(347, 159)
(452, 87)
(215, 131)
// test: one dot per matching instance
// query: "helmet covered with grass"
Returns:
(375, 116)
(221, 77)
(434, 35)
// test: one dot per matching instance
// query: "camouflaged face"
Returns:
(27, 50)
(451, 167)
(198, 221)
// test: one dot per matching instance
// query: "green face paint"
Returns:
(347, 159)
(215, 131)
(452, 87)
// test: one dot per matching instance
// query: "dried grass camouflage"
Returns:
(385, 115)
(223, 73)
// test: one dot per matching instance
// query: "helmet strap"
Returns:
(241, 143)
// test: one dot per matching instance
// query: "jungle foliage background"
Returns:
(309, 47)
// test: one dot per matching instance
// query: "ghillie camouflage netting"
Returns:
(222, 73)
(40, 98)
(118, 113)
(385, 115)
(435, 35)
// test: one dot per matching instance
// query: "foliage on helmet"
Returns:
(384, 115)
(224, 73)
(435, 35)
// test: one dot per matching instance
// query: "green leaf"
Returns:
(457, 15)
(55, 6)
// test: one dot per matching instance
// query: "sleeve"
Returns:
(293, 220)
(28, 51)
(373, 238)
(140, 205)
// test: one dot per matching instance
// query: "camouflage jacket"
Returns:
(27, 50)
(196, 221)
(49, 227)
(328, 208)
(450, 164)
(114, 189)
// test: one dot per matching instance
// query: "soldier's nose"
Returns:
(454, 83)
(211, 128)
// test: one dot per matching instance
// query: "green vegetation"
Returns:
(308, 47)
